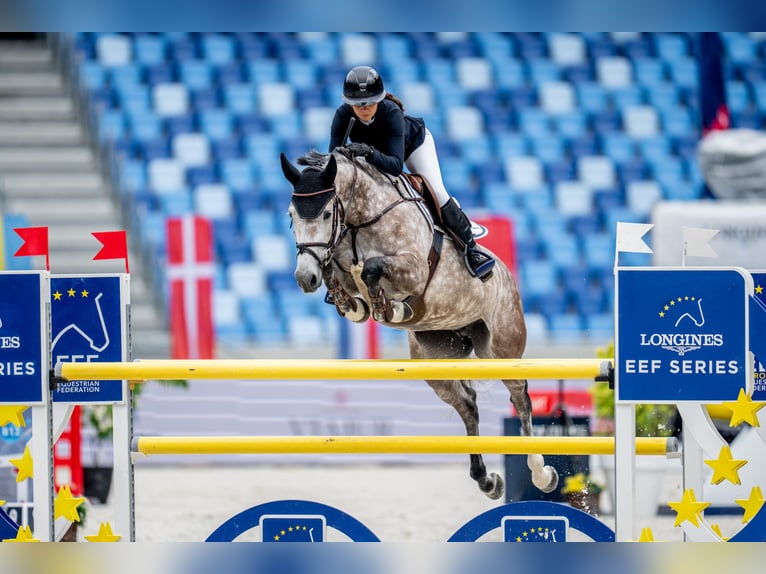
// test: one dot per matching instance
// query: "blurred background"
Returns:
(563, 134)
(560, 134)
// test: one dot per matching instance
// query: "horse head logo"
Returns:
(688, 310)
(98, 338)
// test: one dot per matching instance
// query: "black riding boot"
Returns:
(478, 263)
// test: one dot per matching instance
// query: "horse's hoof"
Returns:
(360, 314)
(496, 486)
(553, 482)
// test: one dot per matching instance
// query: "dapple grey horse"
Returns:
(367, 236)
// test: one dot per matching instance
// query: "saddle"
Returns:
(423, 188)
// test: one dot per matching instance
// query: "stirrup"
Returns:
(484, 270)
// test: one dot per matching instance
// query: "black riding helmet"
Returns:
(363, 87)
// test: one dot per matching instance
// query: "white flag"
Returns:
(629, 237)
(696, 241)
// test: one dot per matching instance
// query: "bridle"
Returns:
(338, 213)
(340, 227)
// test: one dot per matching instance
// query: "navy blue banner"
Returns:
(23, 377)
(682, 335)
(86, 326)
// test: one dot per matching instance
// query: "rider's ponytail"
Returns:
(397, 101)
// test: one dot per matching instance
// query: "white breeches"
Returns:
(425, 162)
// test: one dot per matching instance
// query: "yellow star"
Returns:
(24, 534)
(743, 410)
(13, 414)
(717, 529)
(646, 535)
(758, 289)
(57, 295)
(662, 314)
(726, 467)
(84, 293)
(672, 303)
(65, 505)
(752, 505)
(688, 509)
(24, 465)
(71, 292)
(105, 534)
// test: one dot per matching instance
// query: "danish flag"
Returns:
(190, 273)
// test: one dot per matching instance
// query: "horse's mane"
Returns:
(317, 159)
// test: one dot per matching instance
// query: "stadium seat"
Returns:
(567, 49)
(114, 50)
(640, 121)
(596, 172)
(216, 124)
(276, 99)
(239, 98)
(573, 198)
(640, 196)
(357, 49)
(170, 99)
(524, 172)
(213, 201)
(474, 74)
(557, 97)
(166, 175)
(191, 149)
(671, 47)
(316, 125)
(195, 74)
(272, 252)
(246, 279)
(218, 48)
(464, 123)
(150, 49)
(614, 72)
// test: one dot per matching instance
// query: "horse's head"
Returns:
(315, 215)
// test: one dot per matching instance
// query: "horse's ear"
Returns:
(291, 172)
(329, 172)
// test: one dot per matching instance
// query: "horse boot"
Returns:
(478, 263)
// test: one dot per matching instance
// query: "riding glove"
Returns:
(358, 149)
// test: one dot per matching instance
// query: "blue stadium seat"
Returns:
(150, 49)
(196, 74)
(671, 47)
(216, 124)
(239, 98)
(218, 48)
(591, 97)
(618, 146)
(649, 72)
(229, 73)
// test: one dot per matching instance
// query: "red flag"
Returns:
(115, 246)
(35, 243)
(190, 272)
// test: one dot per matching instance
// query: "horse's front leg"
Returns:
(352, 308)
(544, 476)
(404, 272)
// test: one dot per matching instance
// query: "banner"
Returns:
(190, 273)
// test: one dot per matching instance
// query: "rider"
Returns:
(389, 139)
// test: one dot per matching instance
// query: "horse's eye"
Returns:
(327, 215)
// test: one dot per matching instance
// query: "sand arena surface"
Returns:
(399, 503)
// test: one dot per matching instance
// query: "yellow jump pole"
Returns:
(348, 369)
(157, 445)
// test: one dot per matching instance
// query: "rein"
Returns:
(354, 229)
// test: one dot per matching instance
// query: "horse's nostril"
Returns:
(315, 281)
